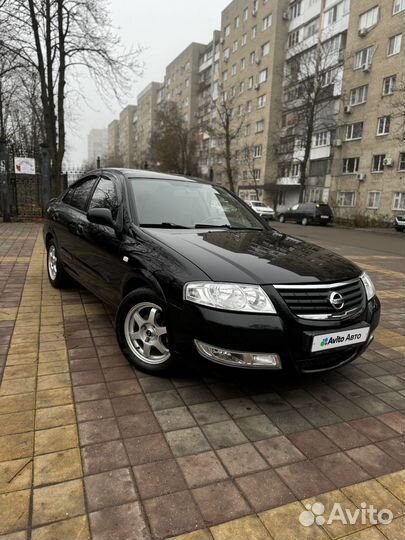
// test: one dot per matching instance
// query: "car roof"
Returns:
(142, 173)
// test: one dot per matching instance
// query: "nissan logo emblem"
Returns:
(336, 300)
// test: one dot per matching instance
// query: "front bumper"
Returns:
(282, 334)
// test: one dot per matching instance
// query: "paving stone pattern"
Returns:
(92, 448)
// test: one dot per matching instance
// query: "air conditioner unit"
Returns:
(258, 60)
(361, 177)
(366, 68)
(257, 86)
(388, 162)
(338, 143)
(363, 32)
(347, 109)
(285, 16)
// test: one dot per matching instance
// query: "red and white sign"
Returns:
(24, 165)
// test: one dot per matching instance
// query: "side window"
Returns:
(78, 195)
(105, 196)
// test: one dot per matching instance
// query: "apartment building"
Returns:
(312, 89)
(181, 83)
(145, 124)
(253, 34)
(369, 165)
(208, 70)
(113, 144)
(127, 136)
(96, 145)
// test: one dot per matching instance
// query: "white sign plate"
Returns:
(325, 342)
(24, 165)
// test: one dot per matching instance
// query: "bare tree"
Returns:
(249, 159)
(225, 128)
(55, 37)
(311, 78)
(398, 111)
(174, 143)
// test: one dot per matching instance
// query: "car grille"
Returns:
(312, 301)
(327, 361)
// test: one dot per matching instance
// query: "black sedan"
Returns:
(308, 213)
(192, 269)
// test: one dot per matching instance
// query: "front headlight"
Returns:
(368, 285)
(229, 296)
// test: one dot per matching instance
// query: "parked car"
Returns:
(308, 213)
(191, 269)
(399, 223)
(264, 211)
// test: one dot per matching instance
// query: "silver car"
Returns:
(262, 209)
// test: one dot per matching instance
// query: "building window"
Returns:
(226, 54)
(295, 10)
(320, 139)
(258, 151)
(383, 125)
(241, 87)
(257, 173)
(242, 64)
(252, 57)
(247, 130)
(378, 163)
(261, 101)
(244, 40)
(311, 29)
(401, 165)
(237, 22)
(266, 48)
(363, 58)
(373, 199)
(233, 71)
(245, 14)
(259, 126)
(389, 85)
(267, 22)
(399, 201)
(295, 169)
(250, 83)
(225, 75)
(293, 38)
(227, 30)
(394, 44)
(351, 165)
(346, 198)
(331, 16)
(359, 95)
(240, 110)
(354, 131)
(249, 106)
(254, 32)
(235, 46)
(262, 76)
(369, 18)
(399, 5)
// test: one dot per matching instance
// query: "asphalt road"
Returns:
(348, 241)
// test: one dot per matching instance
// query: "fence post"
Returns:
(4, 181)
(45, 176)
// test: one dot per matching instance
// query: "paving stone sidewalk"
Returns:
(91, 448)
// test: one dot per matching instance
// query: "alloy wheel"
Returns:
(52, 262)
(146, 333)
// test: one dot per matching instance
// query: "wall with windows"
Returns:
(369, 164)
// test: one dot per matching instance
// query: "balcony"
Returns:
(288, 181)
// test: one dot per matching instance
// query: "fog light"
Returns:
(236, 358)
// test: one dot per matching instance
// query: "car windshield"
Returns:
(258, 203)
(182, 204)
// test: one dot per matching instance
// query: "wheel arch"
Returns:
(133, 282)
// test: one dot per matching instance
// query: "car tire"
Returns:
(281, 218)
(141, 330)
(304, 221)
(57, 275)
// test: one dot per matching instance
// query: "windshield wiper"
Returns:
(226, 226)
(164, 225)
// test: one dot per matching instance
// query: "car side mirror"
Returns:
(101, 216)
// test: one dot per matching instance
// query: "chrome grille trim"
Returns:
(318, 286)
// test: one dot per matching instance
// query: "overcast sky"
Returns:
(164, 28)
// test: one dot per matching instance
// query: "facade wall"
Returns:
(97, 145)
(145, 123)
(127, 136)
(356, 186)
(113, 146)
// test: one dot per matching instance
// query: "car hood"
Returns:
(263, 257)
